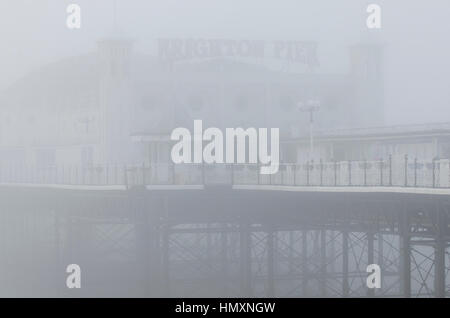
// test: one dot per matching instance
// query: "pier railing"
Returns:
(382, 173)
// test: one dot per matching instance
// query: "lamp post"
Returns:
(310, 106)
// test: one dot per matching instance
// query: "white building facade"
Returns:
(118, 107)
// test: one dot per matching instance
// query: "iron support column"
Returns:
(245, 260)
(224, 257)
(323, 263)
(305, 271)
(370, 259)
(405, 254)
(345, 251)
(380, 256)
(439, 253)
(270, 264)
(166, 260)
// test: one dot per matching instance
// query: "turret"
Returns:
(367, 82)
(114, 56)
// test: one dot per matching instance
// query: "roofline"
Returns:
(431, 130)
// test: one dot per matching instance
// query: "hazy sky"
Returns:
(416, 34)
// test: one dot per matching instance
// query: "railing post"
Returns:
(203, 173)
(143, 174)
(321, 172)
(232, 174)
(125, 176)
(381, 171)
(335, 173)
(406, 170)
(438, 166)
(307, 173)
(365, 172)
(415, 172)
(258, 169)
(390, 170)
(270, 179)
(173, 173)
(294, 167)
(433, 165)
(91, 175)
(349, 172)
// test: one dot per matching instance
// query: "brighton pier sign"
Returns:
(291, 51)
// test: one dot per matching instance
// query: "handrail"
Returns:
(385, 173)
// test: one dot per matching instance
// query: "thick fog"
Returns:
(415, 33)
(124, 153)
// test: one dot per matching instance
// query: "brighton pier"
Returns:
(158, 229)
(225, 230)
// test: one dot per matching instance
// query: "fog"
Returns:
(415, 33)
(137, 148)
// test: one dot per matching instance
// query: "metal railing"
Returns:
(385, 173)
